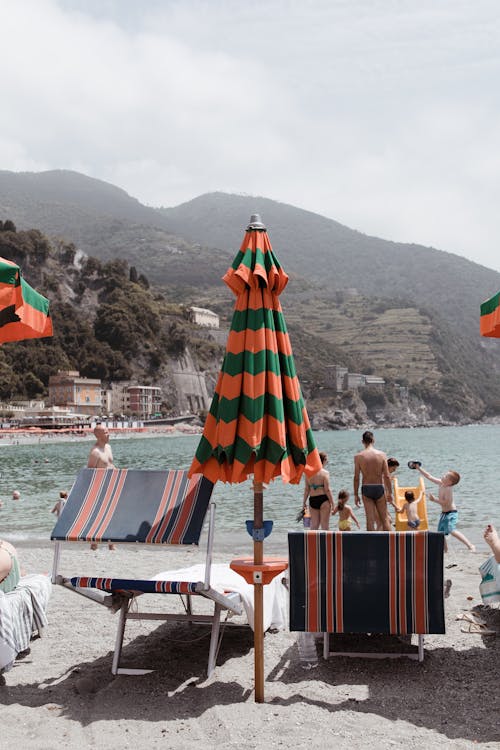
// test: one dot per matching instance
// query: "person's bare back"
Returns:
(370, 464)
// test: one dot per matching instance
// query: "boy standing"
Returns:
(449, 513)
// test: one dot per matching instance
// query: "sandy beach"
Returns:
(63, 694)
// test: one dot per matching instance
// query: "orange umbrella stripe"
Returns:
(257, 341)
(254, 386)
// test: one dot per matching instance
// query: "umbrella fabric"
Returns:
(24, 313)
(257, 424)
(490, 317)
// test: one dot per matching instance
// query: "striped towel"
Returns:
(490, 584)
(22, 614)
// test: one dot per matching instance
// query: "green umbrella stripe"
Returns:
(258, 318)
(241, 451)
(248, 258)
(255, 409)
(490, 305)
(255, 363)
(34, 299)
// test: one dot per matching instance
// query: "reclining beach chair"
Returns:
(377, 582)
(157, 508)
(399, 500)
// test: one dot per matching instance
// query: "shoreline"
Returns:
(13, 437)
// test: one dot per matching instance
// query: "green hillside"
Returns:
(404, 312)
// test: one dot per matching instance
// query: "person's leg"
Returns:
(324, 514)
(370, 513)
(382, 516)
(462, 538)
(493, 541)
(315, 519)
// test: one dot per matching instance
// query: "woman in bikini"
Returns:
(317, 490)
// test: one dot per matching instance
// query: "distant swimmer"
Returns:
(16, 495)
(376, 488)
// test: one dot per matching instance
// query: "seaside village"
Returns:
(75, 402)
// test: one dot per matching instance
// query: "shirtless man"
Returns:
(376, 486)
(101, 457)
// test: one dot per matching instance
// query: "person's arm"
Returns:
(435, 499)
(401, 510)
(93, 459)
(386, 477)
(428, 476)
(356, 481)
(307, 490)
(351, 513)
(335, 510)
(328, 492)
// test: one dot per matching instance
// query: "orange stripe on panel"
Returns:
(403, 627)
(330, 584)
(339, 585)
(112, 505)
(104, 503)
(420, 593)
(87, 507)
(312, 597)
(393, 617)
(187, 507)
(172, 502)
(161, 510)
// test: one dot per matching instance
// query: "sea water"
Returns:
(41, 470)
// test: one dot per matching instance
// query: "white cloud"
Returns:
(381, 115)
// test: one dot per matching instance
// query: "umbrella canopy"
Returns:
(257, 424)
(490, 317)
(24, 313)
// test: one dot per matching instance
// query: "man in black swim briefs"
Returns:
(376, 488)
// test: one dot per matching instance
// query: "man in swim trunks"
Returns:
(376, 489)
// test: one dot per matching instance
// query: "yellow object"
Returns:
(399, 500)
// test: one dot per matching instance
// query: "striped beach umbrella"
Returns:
(24, 313)
(490, 317)
(257, 425)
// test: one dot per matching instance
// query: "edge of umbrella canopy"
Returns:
(24, 312)
(257, 424)
(489, 322)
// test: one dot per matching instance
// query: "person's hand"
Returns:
(357, 501)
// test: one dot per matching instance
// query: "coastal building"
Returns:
(203, 317)
(68, 389)
(131, 398)
(144, 400)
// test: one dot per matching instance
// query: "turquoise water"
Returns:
(40, 471)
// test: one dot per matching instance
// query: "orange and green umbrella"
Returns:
(257, 425)
(490, 317)
(24, 313)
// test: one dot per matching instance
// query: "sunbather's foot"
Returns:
(94, 546)
(492, 540)
(111, 546)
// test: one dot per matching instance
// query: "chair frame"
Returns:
(229, 603)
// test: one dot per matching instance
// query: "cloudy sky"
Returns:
(381, 114)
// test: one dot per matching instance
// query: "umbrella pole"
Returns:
(258, 555)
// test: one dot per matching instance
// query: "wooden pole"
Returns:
(258, 555)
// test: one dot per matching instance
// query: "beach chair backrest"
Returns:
(380, 582)
(131, 505)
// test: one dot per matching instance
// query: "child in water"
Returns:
(411, 509)
(345, 512)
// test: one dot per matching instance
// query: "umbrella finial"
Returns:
(256, 224)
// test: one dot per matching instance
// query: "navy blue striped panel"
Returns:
(132, 505)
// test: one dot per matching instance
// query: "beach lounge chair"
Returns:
(157, 508)
(383, 583)
(399, 499)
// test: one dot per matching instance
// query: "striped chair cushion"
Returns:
(132, 584)
(379, 582)
(127, 505)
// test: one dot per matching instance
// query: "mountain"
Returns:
(405, 312)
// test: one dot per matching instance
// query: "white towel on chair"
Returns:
(223, 580)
